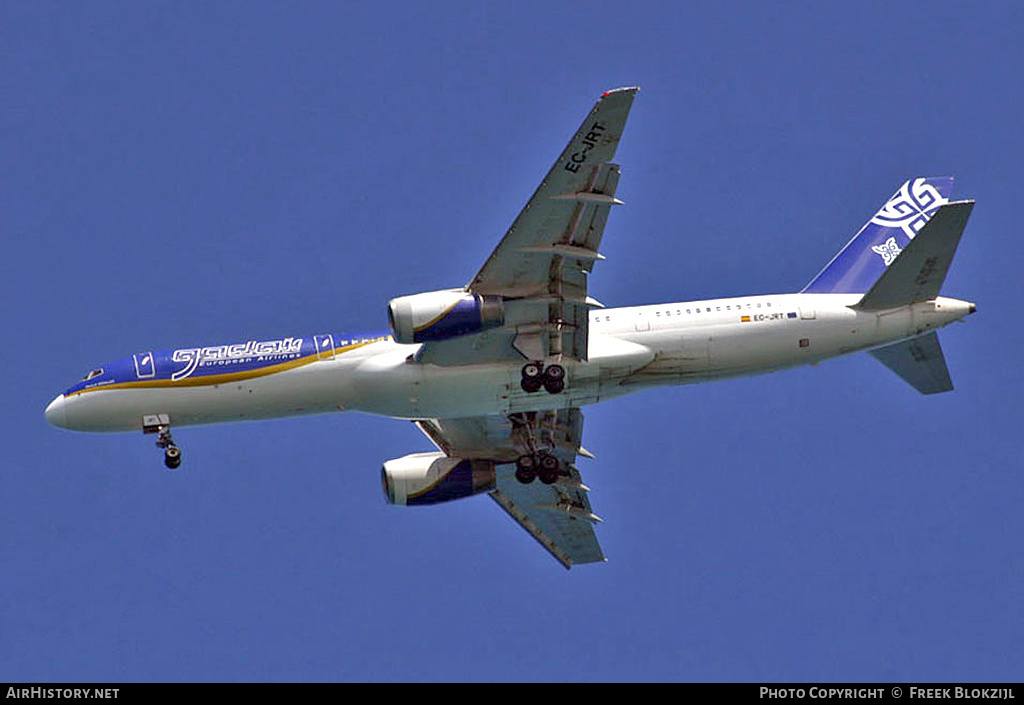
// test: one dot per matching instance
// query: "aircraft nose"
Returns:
(57, 413)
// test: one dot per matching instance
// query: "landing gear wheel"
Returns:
(531, 384)
(554, 379)
(548, 477)
(172, 454)
(531, 369)
(548, 469)
(554, 372)
(532, 379)
(172, 457)
(526, 470)
(554, 386)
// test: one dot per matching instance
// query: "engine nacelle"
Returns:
(429, 478)
(439, 315)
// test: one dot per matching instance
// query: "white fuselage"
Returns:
(629, 349)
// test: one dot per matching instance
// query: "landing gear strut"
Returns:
(172, 453)
(535, 376)
(160, 424)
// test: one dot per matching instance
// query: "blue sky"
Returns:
(192, 173)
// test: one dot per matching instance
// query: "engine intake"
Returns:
(430, 478)
(439, 315)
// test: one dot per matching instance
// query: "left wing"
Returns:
(557, 515)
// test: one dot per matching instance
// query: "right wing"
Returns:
(565, 216)
(558, 515)
(540, 267)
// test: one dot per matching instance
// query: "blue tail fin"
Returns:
(866, 256)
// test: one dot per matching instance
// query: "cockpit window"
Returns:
(94, 373)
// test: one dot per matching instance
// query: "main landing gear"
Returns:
(160, 424)
(534, 465)
(533, 434)
(535, 376)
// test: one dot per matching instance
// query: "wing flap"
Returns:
(558, 516)
(523, 519)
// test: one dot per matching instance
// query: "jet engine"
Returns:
(429, 478)
(439, 315)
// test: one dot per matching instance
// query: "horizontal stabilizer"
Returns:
(917, 271)
(919, 362)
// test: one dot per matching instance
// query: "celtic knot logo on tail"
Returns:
(888, 250)
(910, 208)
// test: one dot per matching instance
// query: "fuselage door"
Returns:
(324, 346)
(806, 312)
(145, 367)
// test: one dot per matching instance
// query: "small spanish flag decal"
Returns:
(744, 319)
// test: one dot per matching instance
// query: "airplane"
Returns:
(495, 373)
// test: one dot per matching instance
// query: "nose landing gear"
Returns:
(172, 457)
(172, 453)
(160, 424)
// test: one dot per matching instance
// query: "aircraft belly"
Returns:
(393, 384)
(744, 348)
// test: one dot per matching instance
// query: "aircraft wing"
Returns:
(540, 266)
(558, 515)
(539, 269)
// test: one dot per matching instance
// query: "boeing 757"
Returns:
(495, 373)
